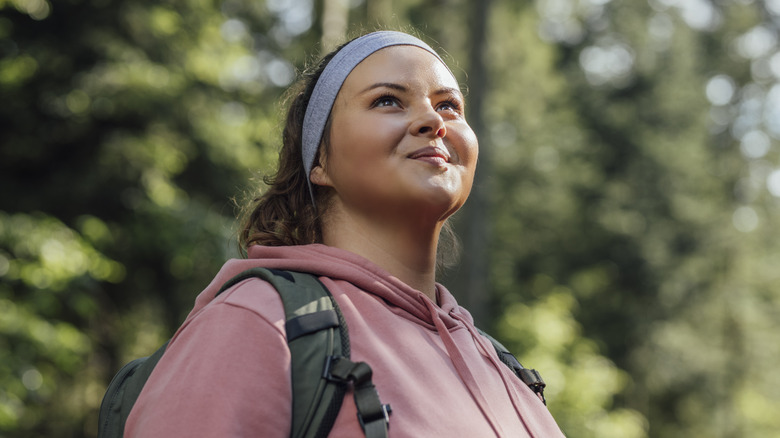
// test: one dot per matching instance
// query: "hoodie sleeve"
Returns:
(224, 374)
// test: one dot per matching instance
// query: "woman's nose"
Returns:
(429, 123)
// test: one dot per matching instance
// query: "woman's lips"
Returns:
(431, 154)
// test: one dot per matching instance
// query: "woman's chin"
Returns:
(443, 202)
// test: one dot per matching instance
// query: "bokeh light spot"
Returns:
(745, 219)
(720, 89)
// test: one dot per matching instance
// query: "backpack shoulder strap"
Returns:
(530, 377)
(321, 371)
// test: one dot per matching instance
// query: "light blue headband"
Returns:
(331, 80)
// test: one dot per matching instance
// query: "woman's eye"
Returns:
(386, 101)
(450, 106)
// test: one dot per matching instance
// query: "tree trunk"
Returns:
(335, 18)
(470, 283)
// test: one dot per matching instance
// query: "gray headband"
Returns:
(331, 80)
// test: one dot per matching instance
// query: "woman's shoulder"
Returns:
(248, 300)
(254, 295)
(233, 350)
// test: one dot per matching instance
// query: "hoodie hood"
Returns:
(341, 265)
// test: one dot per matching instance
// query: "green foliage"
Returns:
(582, 381)
(127, 127)
(49, 274)
(616, 193)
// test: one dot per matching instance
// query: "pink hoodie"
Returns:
(226, 370)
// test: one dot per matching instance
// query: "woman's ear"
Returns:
(319, 176)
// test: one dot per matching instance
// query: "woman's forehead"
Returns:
(400, 64)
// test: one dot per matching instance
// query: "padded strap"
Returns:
(310, 323)
(315, 331)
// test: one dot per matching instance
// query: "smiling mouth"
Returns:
(431, 154)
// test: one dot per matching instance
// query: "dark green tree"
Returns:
(127, 127)
(628, 215)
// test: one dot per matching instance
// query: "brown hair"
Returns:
(284, 215)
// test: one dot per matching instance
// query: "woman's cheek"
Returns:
(468, 149)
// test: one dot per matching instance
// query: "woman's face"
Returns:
(399, 140)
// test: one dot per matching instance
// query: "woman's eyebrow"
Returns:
(449, 90)
(390, 85)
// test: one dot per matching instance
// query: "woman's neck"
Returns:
(407, 253)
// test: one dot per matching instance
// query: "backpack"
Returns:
(321, 370)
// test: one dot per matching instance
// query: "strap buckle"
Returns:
(384, 417)
(533, 379)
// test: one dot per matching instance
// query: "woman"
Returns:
(377, 154)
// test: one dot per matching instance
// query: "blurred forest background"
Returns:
(621, 237)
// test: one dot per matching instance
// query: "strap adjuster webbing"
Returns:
(374, 417)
